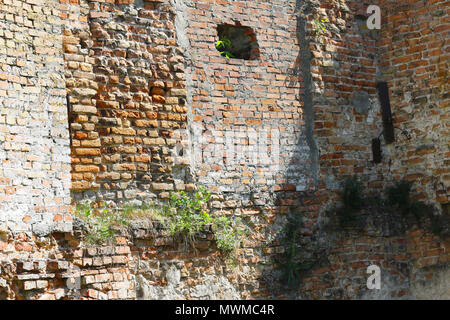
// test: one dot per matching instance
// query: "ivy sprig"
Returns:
(223, 46)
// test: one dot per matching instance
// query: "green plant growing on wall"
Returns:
(352, 199)
(228, 233)
(187, 215)
(294, 263)
(101, 222)
(133, 211)
(399, 196)
(351, 194)
(440, 225)
(320, 27)
(223, 45)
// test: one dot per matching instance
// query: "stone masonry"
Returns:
(129, 100)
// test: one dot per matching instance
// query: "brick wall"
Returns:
(237, 105)
(346, 64)
(80, 89)
(347, 113)
(35, 162)
(270, 137)
(414, 52)
(146, 263)
(126, 82)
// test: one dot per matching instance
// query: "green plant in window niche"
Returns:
(223, 43)
(227, 55)
(223, 46)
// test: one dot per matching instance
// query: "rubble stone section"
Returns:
(34, 138)
(144, 263)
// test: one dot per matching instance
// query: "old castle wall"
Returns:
(143, 78)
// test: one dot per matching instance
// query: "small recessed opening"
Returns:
(376, 150)
(238, 42)
(69, 118)
(388, 123)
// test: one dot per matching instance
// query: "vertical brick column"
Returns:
(125, 80)
(81, 90)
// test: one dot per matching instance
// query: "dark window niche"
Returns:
(388, 123)
(242, 42)
(376, 150)
(69, 117)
